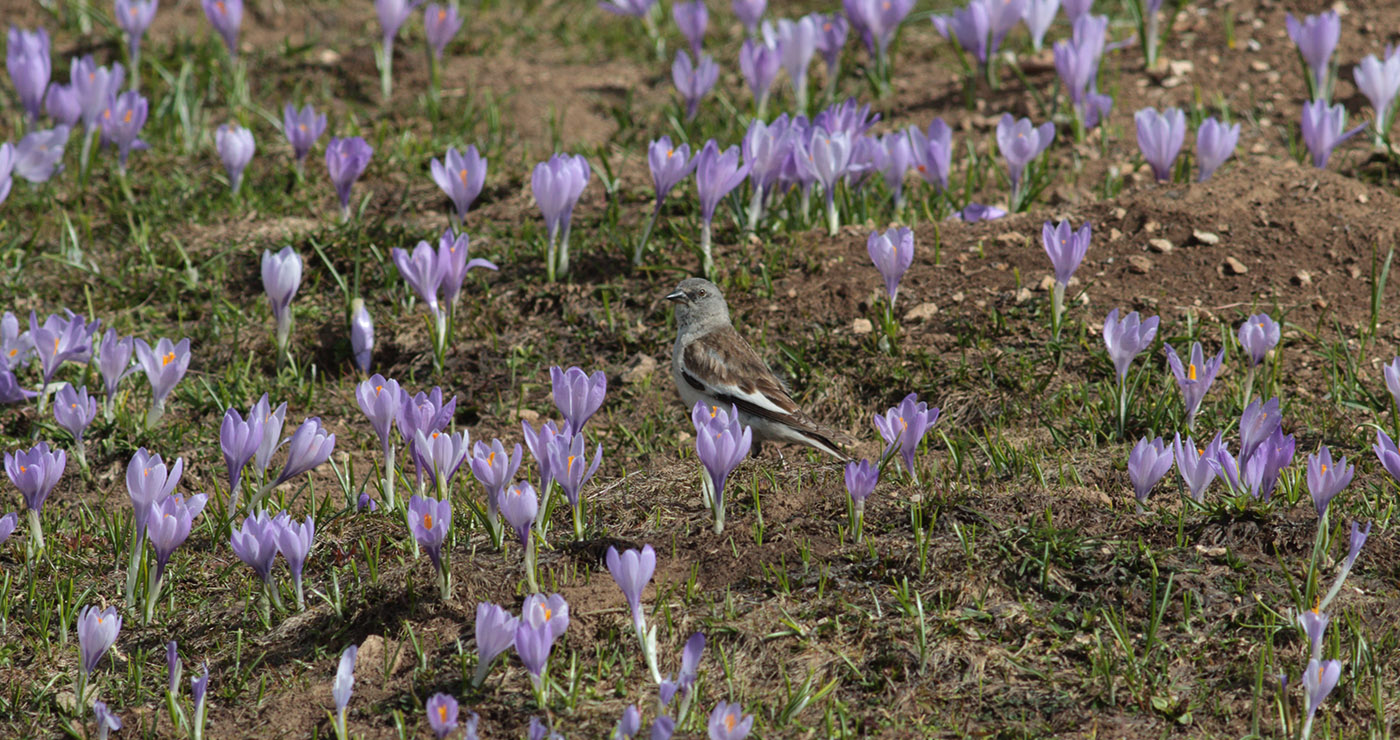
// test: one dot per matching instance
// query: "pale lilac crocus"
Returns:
(577, 395)
(1020, 143)
(62, 104)
(454, 258)
(797, 43)
(346, 160)
(235, 146)
(632, 571)
(1258, 335)
(1387, 454)
(460, 176)
(1038, 15)
(294, 541)
(1160, 136)
(721, 443)
(1316, 37)
(728, 722)
(495, 633)
(1314, 622)
(225, 16)
(1323, 129)
(149, 481)
(1076, 8)
(442, 712)
(759, 62)
(302, 128)
(1148, 462)
(272, 432)
(122, 121)
(343, 687)
(1126, 339)
(97, 633)
(39, 154)
(895, 159)
(424, 273)
(1319, 678)
(893, 253)
(1077, 63)
(1215, 143)
(877, 21)
(1194, 464)
(1379, 81)
(361, 335)
(392, 14)
(255, 543)
(74, 410)
(239, 440)
(168, 526)
(1258, 424)
(440, 24)
(114, 364)
(829, 157)
(716, 174)
(831, 39)
(429, 521)
(1066, 248)
(669, 165)
(903, 427)
(8, 522)
(107, 721)
(971, 26)
(749, 13)
(27, 59)
(1326, 479)
(861, 479)
(684, 679)
(134, 17)
(58, 340)
(164, 365)
(309, 446)
(533, 644)
(629, 725)
(691, 18)
(438, 457)
(7, 168)
(693, 80)
(495, 470)
(933, 152)
(1194, 378)
(633, 8)
(557, 184)
(520, 506)
(92, 86)
(35, 472)
(199, 691)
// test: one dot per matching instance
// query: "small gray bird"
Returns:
(712, 363)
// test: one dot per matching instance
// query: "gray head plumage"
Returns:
(700, 306)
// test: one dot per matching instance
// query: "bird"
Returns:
(711, 363)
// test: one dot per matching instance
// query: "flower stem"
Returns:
(646, 235)
(530, 564)
(708, 264)
(36, 531)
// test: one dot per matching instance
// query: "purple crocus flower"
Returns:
(1194, 464)
(346, 160)
(1379, 81)
(1159, 137)
(495, 633)
(1076, 8)
(361, 335)
(134, 17)
(225, 16)
(895, 158)
(199, 688)
(35, 472)
(1127, 338)
(1316, 37)
(28, 61)
(1065, 247)
(759, 62)
(440, 24)
(439, 455)
(632, 571)
(577, 394)
(495, 470)
(294, 540)
(520, 505)
(74, 411)
(904, 425)
(691, 18)
(829, 158)
(533, 644)
(309, 446)
(58, 340)
(557, 184)
(684, 679)
(173, 669)
(15, 348)
(344, 685)
(442, 714)
(453, 252)
(749, 12)
(302, 128)
(8, 522)
(7, 167)
(392, 14)
(1195, 378)
(239, 441)
(365, 503)
(168, 525)
(93, 86)
(10, 389)
(933, 152)
(1258, 334)
(630, 724)
(1077, 62)
(1322, 128)
(1262, 469)
(1387, 453)
(971, 26)
(877, 21)
(669, 165)
(106, 720)
(40, 153)
(423, 272)
(728, 722)
(122, 121)
(235, 146)
(861, 478)
(721, 443)
(272, 431)
(1391, 372)
(716, 174)
(1020, 142)
(1257, 424)
(1147, 464)
(1226, 467)
(114, 361)
(1215, 143)
(429, 520)
(255, 543)
(164, 366)
(62, 104)
(893, 253)
(1314, 622)
(461, 177)
(1318, 681)
(97, 633)
(831, 39)
(633, 8)
(1038, 15)
(797, 43)
(693, 80)
(1326, 479)
(424, 411)
(148, 482)
(1356, 541)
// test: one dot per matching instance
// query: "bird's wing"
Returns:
(721, 364)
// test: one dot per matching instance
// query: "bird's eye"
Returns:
(702, 292)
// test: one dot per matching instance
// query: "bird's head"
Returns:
(698, 301)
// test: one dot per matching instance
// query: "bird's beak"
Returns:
(676, 296)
